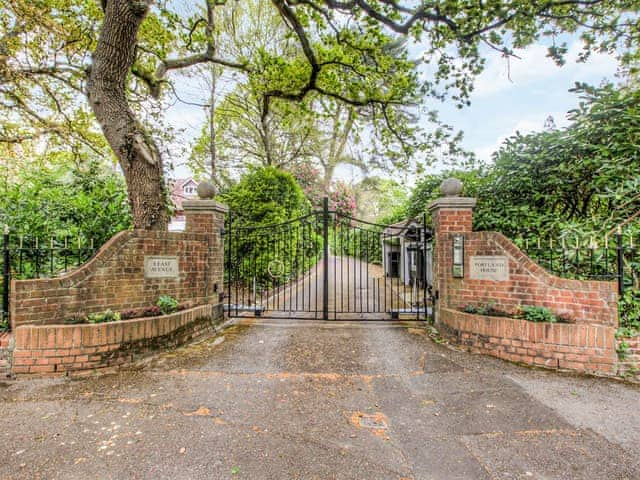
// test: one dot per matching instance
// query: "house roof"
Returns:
(398, 228)
(177, 191)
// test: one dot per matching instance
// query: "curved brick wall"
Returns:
(589, 302)
(586, 345)
(580, 347)
(64, 349)
(114, 278)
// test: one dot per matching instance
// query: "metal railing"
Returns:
(27, 257)
(613, 259)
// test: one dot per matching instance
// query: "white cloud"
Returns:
(533, 65)
(524, 125)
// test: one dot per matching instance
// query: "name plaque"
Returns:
(161, 267)
(489, 268)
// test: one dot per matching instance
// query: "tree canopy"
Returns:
(581, 180)
(126, 54)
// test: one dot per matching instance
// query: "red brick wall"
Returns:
(63, 349)
(586, 345)
(528, 284)
(580, 347)
(629, 362)
(114, 279)
(6, 353)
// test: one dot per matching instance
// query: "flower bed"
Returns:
(580, 347)
(64, 349)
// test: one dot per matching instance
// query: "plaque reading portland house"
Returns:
(489, 268)
(161, 267)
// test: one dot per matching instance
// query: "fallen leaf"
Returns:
(200, 412)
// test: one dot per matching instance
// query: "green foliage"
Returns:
(538, 314)
(484, 309)
(167, 304)
(75, 320)
(263, 199)
(629, 313)
(106, 316)
(525, 312)
(264, 196)
(622, 349)
(85, 201)
(358, 242)
(577, 181)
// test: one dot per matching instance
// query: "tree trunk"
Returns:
(212, 127)
(136, 151)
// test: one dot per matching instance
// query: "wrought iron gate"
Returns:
(326, 265)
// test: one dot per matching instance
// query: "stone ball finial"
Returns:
(206, 190)
(451, 187)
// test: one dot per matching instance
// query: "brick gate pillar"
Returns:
(206, 216)
(451, 215)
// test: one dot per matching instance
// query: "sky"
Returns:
(509, 96)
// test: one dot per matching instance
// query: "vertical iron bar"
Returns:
(304, 262)
(335, 267)
(6, 271)
(341, 269)
(385, 261)
(316, 258)
(424, 265)
(620, 261)
(325, 273)
(366, 246)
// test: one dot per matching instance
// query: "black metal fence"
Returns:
(27, 257)
(614, 259)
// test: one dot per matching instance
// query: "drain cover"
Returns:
(367, 421)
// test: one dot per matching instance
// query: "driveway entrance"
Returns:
(329, 266)
(310, 400)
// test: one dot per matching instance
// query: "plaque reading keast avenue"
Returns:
(489, 268)
(161, 267)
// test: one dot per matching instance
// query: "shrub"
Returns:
(629, 311)
(469, 309)
(264, 197)
(167, 304)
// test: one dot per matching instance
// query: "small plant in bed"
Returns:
(106, 316)
(75, 320)
(167, 304)
(488, 309)
(536, 314)
(151, 311)
(129, 314)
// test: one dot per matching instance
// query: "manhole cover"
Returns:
(372, 422)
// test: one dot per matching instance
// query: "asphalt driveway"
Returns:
(314, 400)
